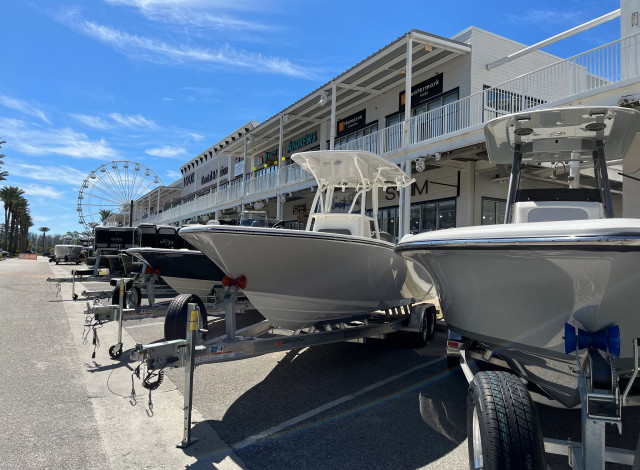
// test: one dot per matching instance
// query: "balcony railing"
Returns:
(582, 73)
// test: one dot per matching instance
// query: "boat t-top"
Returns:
(341, 267)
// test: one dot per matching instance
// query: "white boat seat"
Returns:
(347, 224)
(548, 211)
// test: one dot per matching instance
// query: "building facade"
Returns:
(452, 87)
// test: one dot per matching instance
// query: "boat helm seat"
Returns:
(549, 211)
(346, 224)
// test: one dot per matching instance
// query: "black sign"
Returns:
(352, 123)
(423, 91)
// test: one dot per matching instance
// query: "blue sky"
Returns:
(84, 83)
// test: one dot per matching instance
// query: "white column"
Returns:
(405, 205)
(407, 88)
(332, 131)
(630, 48)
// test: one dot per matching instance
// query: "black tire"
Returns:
(135, 297)
(74, 296)
(502, 425)
(115, 351)
(66, 258)
(175, 323)
(427, 329)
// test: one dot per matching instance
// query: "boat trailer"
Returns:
(263, 338)
(97, 315)
(601, 403)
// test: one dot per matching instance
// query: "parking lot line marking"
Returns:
(145, 324)
(309, 414)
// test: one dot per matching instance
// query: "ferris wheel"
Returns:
(112, 188)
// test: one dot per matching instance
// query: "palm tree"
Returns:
(3, 174)
(9, 195)
(19, 214)
(44, 230)
(105, 214)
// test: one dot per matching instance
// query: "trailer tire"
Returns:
(502, 425)
(115, 351)
(175, 323)
(135, 296)
(427, 328)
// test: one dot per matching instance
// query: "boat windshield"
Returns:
(254, 219)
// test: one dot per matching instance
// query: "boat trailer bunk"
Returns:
(173, 310)
(601, 401)
(193, 348)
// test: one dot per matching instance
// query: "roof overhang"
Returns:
(377, 74)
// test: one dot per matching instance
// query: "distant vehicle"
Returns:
(46, 253)
(5, 254)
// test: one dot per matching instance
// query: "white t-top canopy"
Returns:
(554, 134)
(351, 169)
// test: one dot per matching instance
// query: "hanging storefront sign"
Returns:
(299, 209)
(351, 123)
(200, 177)
(423, 91)
(238, 169)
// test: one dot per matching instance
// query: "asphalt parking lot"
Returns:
(345, 405)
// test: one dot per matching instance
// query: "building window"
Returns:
(433, 215)
(502, 102)
(435, 123)
(493, 211)
(363, 139)
(388, 221)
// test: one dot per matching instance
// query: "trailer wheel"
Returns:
(115, 351)
(74, 296)
(132, 300)
(135, 296)
(427, 329)
(175, 323)
(502, 425)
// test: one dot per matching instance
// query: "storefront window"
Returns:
(433, 215)
(493, 211)
(388, 221)
(363, 139)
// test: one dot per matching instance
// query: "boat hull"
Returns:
(299, 279)
(71, 252)
(185, 271)
(516, 295)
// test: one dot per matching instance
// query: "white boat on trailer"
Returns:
(67, 253)
(556, 278)
(342, 267)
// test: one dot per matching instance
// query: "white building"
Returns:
(456, 85)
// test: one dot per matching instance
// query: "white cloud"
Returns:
(159, 51)
(548, 17)
(166, 151)
(37, 190)
(51, 174)
(196, 137)
(113, 120)
(197, 13)
(23, 107)
(95, 122)
(132, 121)
(65, 141)
(173, 175)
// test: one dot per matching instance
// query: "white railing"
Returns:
(582, 73)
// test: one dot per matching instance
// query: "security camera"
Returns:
(420, 165)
